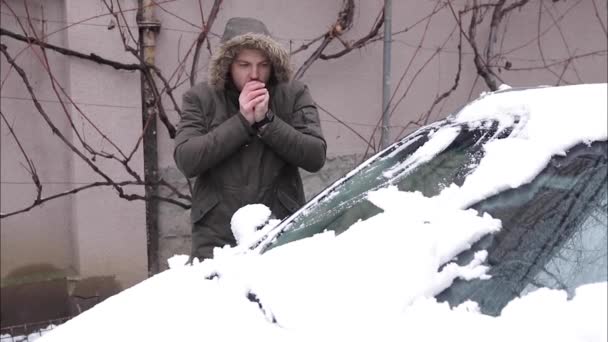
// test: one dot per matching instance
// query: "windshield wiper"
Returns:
(252, 297)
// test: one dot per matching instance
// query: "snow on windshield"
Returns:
(438, 141)
(376, 281)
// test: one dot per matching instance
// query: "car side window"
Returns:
(554, 232)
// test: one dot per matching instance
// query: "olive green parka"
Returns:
(234, 164)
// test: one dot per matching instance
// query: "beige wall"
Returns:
(110, 232)
(42, 235)
(96, 233)
(92, 233)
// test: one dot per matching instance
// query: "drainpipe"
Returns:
(148, 29)
(386, 74)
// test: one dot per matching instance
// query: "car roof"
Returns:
(580, 110)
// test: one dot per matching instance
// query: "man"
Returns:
(244, 134)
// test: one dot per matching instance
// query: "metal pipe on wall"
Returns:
(148, 29)
(386, 74)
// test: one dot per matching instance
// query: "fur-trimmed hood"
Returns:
(247, 33)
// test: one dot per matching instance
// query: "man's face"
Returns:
(250, 65)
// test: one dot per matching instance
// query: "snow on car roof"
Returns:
(550, 121)
(559, 116)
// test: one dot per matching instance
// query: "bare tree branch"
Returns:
(480, 64)
(126, 22)
(143, 67)
(477, 16)
(439, 6)
(200, 7)
(304, 67)
(403, 75)
(31, 167)
(91, 57)
(168, 89)
(515, 5)
(539, 41)
(566, 45)
(117, 17)
(54, 84)
(599, 18)
(201, 39)
(379, 22)
(446, 94)
(424, 119)
(307, 45)
(560, 62)
(561, 76)
(162, 114)
(545, 31)
(410, 63)
(40, 201)
(62, 137)
(48, 120)
(342, 24)
(343, 123)
(109, 182)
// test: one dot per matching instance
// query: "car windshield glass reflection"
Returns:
(403, 166)
(554, 233)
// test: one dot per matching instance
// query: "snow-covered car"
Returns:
(488, 225)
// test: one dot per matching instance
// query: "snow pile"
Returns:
(363, 278)
(246, 220)
(543, 315)
(376, 281)
(393, 258)
(179, 261)
(551, 121)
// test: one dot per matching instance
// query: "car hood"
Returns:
(378, 278)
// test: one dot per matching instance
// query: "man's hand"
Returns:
(261, 108)
(253, 98)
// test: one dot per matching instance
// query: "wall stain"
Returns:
(42, 292)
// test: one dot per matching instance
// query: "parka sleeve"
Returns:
(199, 148)
(301, 141)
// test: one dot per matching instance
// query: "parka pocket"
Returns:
(289, 203)
(203, 205)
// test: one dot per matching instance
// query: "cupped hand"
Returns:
(252, 95)
(261, 108)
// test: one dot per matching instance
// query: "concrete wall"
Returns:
(112, 100)
(94, 233)
(42, 236)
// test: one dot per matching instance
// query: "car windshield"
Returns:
(554, 233)
(426, 161)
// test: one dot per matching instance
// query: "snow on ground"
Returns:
(376, 281)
